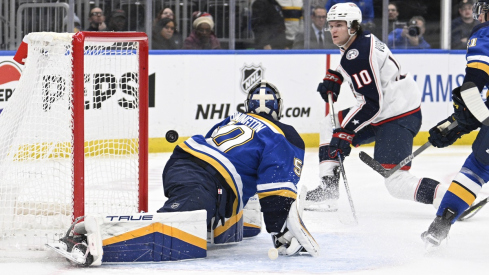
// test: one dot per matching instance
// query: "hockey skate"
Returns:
(73, 247)
(325, 197)
(439, 228)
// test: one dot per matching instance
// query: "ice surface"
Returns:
(386, 241)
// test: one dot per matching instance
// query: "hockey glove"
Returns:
(462, 113)
(439, 140)
(294, 237)
(331, 84)
(341, 142)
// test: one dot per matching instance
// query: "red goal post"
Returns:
(74, 135)
(79, 40)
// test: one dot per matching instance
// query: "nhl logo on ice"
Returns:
(175, 205)
(251, 75)
(352, 54)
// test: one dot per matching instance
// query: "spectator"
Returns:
(268, 25)
(117, 21)
(76, 23)
(97, 20)
(366, 6)
(393, 10)
(202, 37)
(462, 26)
(294, 25)
(164, 35)
(318, 38)
(410, 37)
(164, 13)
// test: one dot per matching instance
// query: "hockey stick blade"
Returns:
(473, 100)
(374, 164)
(471, 211)
(444, 128)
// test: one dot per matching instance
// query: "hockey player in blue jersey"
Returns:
(475, 171)
(387, 111)
(245, 154)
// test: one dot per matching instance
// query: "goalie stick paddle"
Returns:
(473, 100)
(471, 211)
(388, 172)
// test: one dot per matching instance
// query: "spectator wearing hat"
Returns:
(117, 21)
(164, 35)
(76, 23)
(97, 20)
(202, 36)
(462, 26)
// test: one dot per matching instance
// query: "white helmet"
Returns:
(348, 12)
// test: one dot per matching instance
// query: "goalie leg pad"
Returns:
(252, 218)
(298, 229)
(154, 237)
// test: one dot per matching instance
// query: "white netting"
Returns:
(36, 161)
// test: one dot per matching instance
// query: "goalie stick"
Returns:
(473, 100)
(472, 210)
(342, 168)
(388, 172)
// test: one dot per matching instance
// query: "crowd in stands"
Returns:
(279, 24)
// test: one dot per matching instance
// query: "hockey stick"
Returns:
(386, 172)
(342, 168)
(472, 99)
(471, 211)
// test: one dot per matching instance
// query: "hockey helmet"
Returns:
(348, 12)
(482, 6)
(264, 97)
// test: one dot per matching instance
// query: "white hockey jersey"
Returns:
(382, 93)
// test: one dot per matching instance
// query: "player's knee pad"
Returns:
(252, 218)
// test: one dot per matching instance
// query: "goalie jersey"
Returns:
(382, 93)
(254, 154)
(477, 70)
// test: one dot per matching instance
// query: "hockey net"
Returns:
(73, 136)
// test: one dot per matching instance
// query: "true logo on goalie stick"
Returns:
(251, 75)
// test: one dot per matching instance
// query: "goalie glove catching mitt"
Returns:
(294, 237)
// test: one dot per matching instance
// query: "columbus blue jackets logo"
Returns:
(352, 54)
(251, 75)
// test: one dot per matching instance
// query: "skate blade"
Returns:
(60, 250)
(320, 209)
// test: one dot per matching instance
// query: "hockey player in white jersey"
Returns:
(387, 111)
(474, 173)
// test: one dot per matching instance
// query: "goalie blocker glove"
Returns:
(294, 237)
(331, 84)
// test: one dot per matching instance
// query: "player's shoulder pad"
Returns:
(480, 29)
(291, 134)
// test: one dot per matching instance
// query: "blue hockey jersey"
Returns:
(477, 69)
(254, 154)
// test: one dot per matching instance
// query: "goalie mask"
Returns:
(264, 98)
(481, 7)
